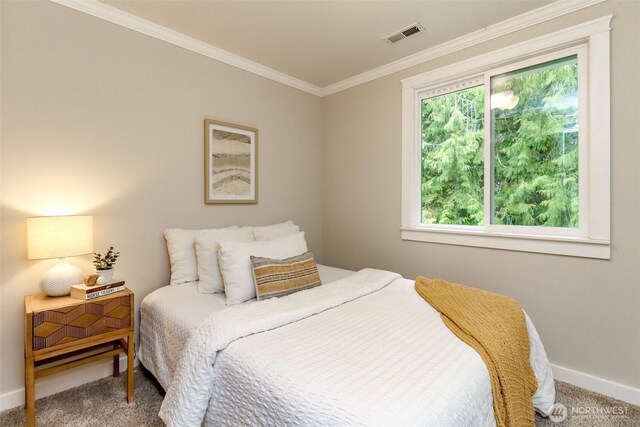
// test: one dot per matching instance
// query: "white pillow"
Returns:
(182, 254)
(267, 227)
(209, 278)
(269, 233)
(236, 268)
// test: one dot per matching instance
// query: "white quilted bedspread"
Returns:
(365, 350)
(168, 316)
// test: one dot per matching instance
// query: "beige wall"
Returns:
(587, 311)
(101, 120)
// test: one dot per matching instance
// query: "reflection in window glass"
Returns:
(534, 120)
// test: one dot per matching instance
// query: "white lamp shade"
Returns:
(59, 236)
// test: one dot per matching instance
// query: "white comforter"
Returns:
(365, 350)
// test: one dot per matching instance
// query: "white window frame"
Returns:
(590, 41)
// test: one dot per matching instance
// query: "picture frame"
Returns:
(230, 163)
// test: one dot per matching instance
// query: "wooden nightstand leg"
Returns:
(116, 363)
(130, 356)
(30, 392)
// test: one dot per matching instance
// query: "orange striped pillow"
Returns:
(277, 278)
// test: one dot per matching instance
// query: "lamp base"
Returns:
(57, 281)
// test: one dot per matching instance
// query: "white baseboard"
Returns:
(64, 381)
(89, 373)
(599, 385)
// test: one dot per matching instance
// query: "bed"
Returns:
(367, 351)
(169, 315)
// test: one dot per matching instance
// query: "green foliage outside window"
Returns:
(452, 158)
(534, 149)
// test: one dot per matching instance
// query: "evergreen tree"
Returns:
(452, 158)
(535, 152)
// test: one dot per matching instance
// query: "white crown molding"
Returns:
(519, 22)
(513, 52)
(135, 23)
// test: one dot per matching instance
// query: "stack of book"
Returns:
(86, 292)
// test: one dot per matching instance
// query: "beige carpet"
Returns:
(103, 403)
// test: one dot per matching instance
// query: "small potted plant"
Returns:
(104, 263)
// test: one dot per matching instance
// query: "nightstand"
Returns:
(63, 332)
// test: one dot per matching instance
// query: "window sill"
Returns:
(568, 246)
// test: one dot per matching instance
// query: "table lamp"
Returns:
(59, 237)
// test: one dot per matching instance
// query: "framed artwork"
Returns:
(230, 163)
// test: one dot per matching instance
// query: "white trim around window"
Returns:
(590, 41)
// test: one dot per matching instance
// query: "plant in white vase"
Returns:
(104, 263)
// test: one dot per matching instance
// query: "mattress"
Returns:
(169, 314)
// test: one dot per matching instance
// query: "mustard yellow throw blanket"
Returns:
(494, 326)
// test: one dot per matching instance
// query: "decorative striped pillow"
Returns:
(276, 278)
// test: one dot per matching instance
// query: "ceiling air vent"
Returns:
(404, 33)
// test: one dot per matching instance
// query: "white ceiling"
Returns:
(323, 42)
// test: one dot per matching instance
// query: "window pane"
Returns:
(452, 158)
(534, 115)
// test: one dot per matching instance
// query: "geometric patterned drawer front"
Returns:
(66, 324)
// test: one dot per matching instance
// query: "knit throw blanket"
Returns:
(494, 326)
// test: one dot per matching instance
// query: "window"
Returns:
(499, 151)
(452, 168)
(534, 144)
